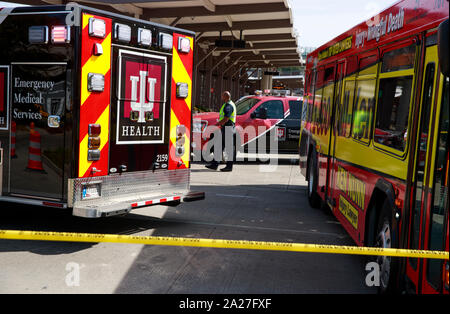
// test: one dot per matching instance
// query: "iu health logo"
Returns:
(142, 110)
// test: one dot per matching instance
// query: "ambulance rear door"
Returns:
(37, 111)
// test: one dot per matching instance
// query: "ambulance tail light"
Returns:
(94, 142)
(38, 34)
(93, 155)
(181, 140)
(60, 34)
(95, 129)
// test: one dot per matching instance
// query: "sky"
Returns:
(318, 21)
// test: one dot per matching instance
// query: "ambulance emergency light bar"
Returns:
(122, 32)
(165, 41)
(144, 37)
(184, 44)
(97, 27)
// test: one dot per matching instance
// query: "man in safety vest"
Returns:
(227, 120)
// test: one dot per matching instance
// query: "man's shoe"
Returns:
(226, 169)
(211, 166)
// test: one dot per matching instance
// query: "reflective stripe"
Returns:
(34, 157)
(36, 145)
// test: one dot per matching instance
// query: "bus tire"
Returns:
(386, 237)
(313, 197)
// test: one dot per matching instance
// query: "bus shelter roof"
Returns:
(266, 26)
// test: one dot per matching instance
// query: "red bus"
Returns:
(374, 142)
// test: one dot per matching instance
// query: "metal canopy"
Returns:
(265, 25)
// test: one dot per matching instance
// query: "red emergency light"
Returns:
(60, 34)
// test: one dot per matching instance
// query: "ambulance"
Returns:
(95, 110)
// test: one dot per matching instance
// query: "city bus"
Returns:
(374, 143)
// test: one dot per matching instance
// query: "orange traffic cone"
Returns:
(13, 140)
(34, 150)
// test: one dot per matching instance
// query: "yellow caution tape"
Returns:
(215, 243)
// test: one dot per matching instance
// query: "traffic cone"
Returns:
(34, 150)
(13, 140)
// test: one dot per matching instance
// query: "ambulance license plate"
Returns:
(91, 191)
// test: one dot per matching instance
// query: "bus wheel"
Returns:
(386, 238)
(313, 198)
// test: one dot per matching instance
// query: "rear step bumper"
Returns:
(118, 194)
(112, 208)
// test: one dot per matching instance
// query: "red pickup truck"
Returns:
(261, 121)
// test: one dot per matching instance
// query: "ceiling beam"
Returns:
(276, 63)
(254, 38)
(265, 66)
(130, 8)
(238, 53)
(242, 25)
(211, 7)
(268, 45)
(270, 57)
(219, 10)
(109, 8)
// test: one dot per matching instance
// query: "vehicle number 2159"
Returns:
(162, 158)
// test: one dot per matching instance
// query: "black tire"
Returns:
(386, 237)
(313, 197)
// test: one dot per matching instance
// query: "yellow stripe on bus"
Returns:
(219, 243)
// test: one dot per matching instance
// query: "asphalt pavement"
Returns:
(257, 201)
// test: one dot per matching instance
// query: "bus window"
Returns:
(346, 112)
(420, 166)
(440, 191)
(362, 118)
(399, 59)
(393, 111)
(318, 90)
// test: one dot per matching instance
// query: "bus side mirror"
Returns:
(443, 49)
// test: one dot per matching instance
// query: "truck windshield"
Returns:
(244, 105)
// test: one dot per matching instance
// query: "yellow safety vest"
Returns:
(233, 115)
